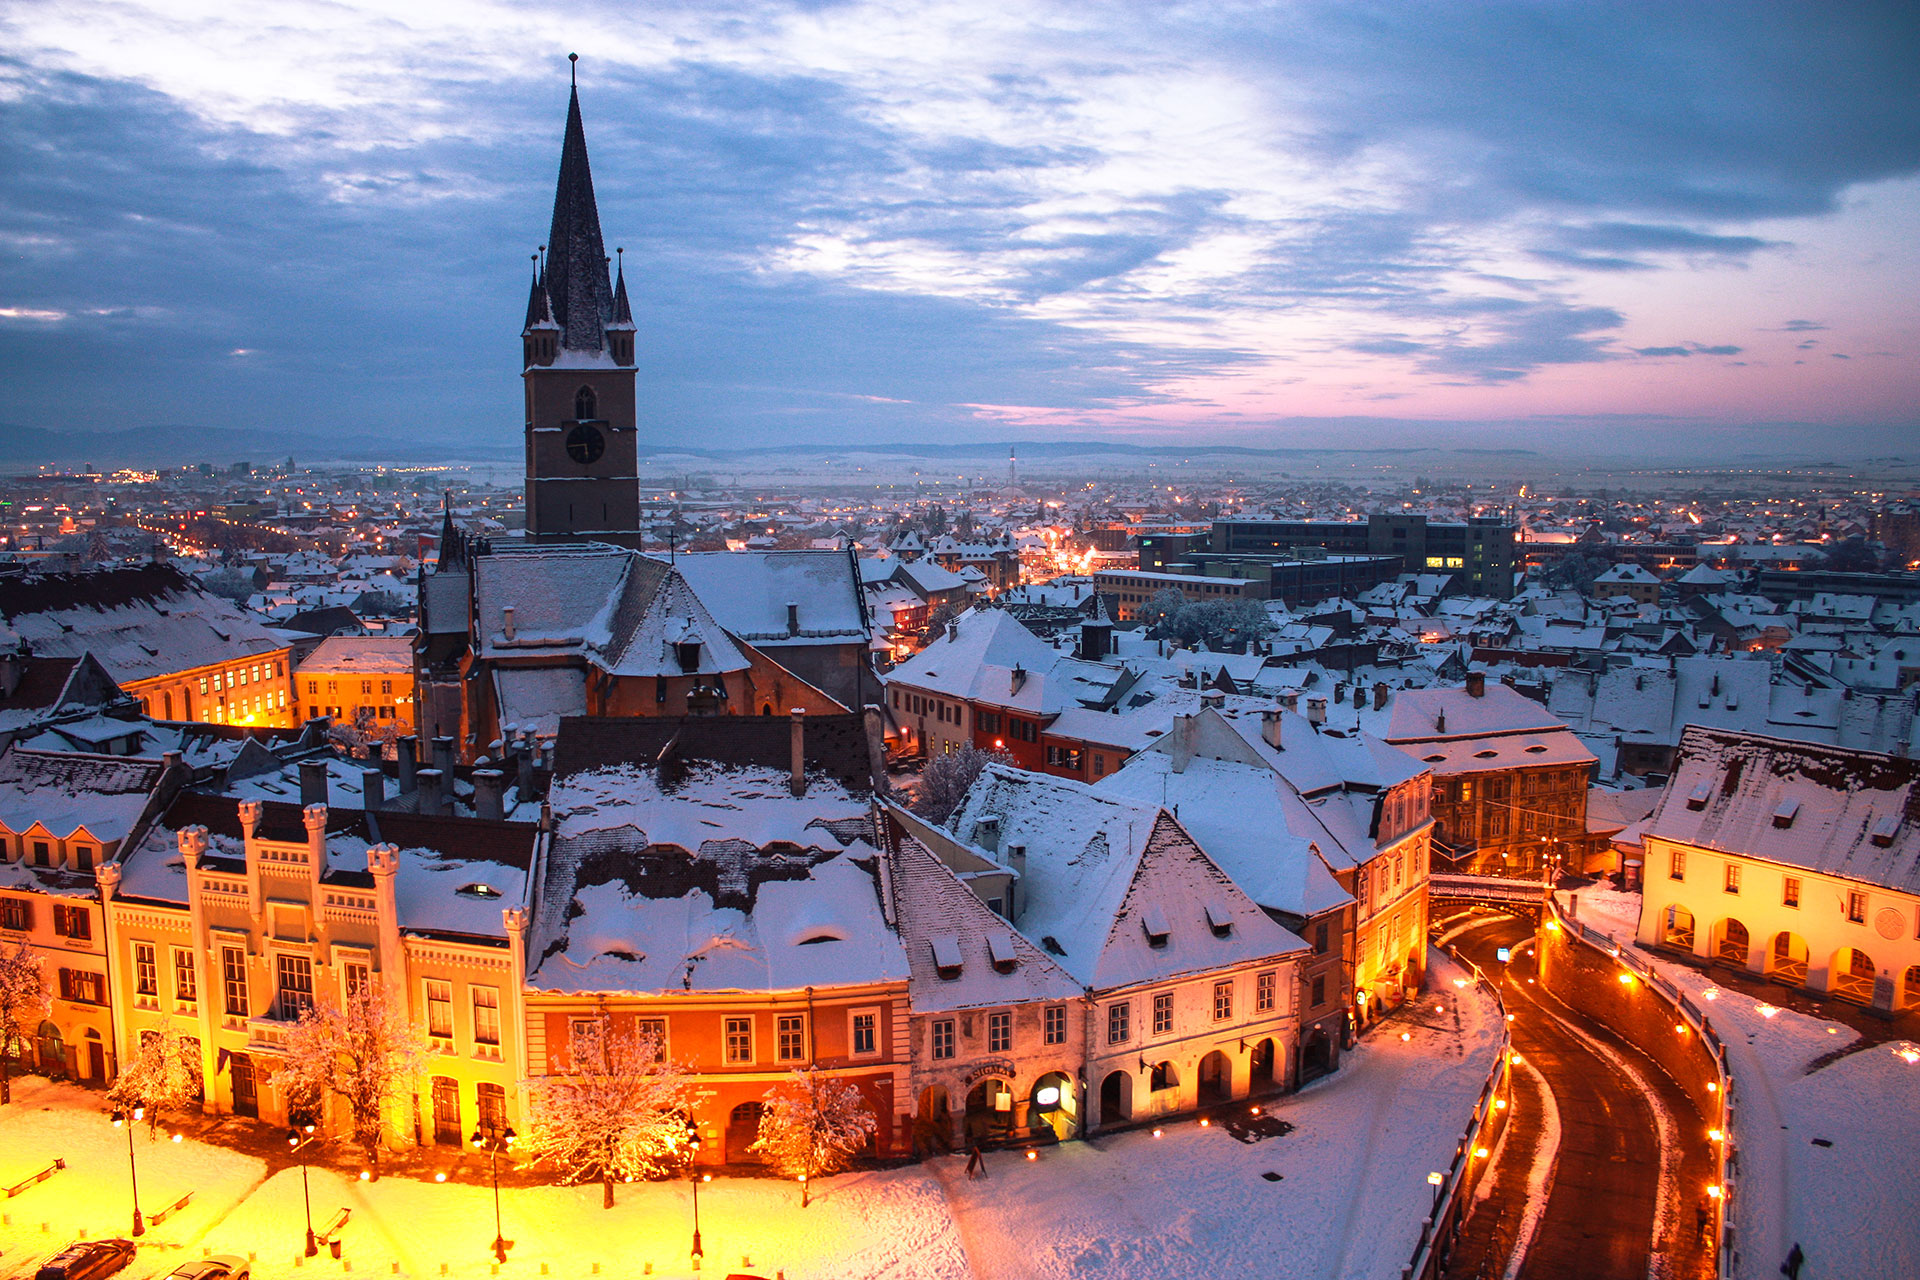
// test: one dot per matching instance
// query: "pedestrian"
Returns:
(1703, 1219)
(1795, 1260)
(976, 1163)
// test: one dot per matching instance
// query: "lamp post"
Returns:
(299, 1139)
(695, 1178)
(495, 1141)
(126, 1120)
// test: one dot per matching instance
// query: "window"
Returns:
(486, 1015)
(1266, 991)
(186, 986)
(439, 1009)
(1055, 1024)
(585, 1042)
(313, 687)
(296, 985)
(386, 686)
(790, 1038)
(233, 974)
(356, 979)
(1320, 938)
(1222, 1001)
(72, 922)
(1677, 868)
(654, 1031)
(16, 914)
(1163, 1013)
(583, 404)
(1857, 907)
(1000, 1033)
(865, 1037)
(942, 1038)
(739, 1039)
(1319, 990)
(366, 686)
(146, 971)
(1733, 877)
(493, 1106)
(1119, 1022)
(1790, 892)
(81, 987)
(82, 857)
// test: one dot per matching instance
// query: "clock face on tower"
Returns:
(585, 444)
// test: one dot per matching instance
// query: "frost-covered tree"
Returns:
(162, 1075)
(620, 1115)
(1158, 613)
(366, 1052)
(947, 779)
(24, 1001)
(812, 1124)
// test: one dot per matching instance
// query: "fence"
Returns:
(1455, 1190)
(1716, 1099)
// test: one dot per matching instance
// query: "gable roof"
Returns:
(749, 591)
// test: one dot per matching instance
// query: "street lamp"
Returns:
(695, 1178)
(495, 1141)
(300, 1139)
(125, 1120)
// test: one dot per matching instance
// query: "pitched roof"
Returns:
(749, 593)
(576, 276)
(835, 745)
(358, 655)
(1854, 814)
(64, 791)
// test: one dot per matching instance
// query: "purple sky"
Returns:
(1243, 223)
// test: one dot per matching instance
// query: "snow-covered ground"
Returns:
(1849, 1204)
(1189, 1204)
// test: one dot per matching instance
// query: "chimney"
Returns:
(1440, 721)
(313, 782)
(487, 786)
(1270, 727)
(1016, 859)
(506, 622)
(1290, 700)
(169, 761)
(1476, 684)
(11, 671)
(524, 780)
(1317, 710)
(1340, 693)
(1213, 698)
(797, 776)
(443, 756)
(793, 618)
(404, 749)
(1182, 743)
(1379, 695)
(429, 780)
(986, 833)
(373, 790)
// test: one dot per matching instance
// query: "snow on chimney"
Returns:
(429, 780)
(1182, 743)
(487, 786)
(1379, 695)
(405, 749)
(1270, 727)
(797, 780)
(1317, 710)
(793, 618)
(313, 782)
(506, 622)
(373, 789)
(1476, 684)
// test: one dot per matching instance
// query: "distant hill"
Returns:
(173, 445)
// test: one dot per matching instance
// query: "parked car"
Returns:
(86, 1260)
(221, 1266)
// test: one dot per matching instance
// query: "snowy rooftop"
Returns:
(750, 591)
(65, 792)
(1845, 813)
(360, 655)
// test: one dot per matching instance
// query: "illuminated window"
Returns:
(486, 1015)
(146, 970)
(1857, 907)
(1677, 868)
(865, 1027)
(1733, 877)
(186, 986)
(790, 1041)
(296, 985)
(439, 1009)
(1222, 1001)
(356, 979)
(739, 1039)
(1790, 892)
(233, 972)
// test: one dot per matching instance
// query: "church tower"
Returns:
(583, 481)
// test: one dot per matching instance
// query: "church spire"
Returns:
(622, 312)
(539, 306)
(577, 283)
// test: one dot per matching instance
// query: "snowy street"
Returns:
(1192, 1203)
(1823, 1149)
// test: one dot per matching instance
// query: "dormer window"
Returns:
(477, 890)
(584, 405)
(688, 654)
(946, 955)
(1219, 919)
(1784, 815)
(1154, 920)
(1885, 830)
(1697, 798)
(1000, 948)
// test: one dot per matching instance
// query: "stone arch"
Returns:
(1731, 943)
(1263, 1067)
(933, 1122)
(1910, 987)
(1215, 1079)
(1850, 976)
(1787, 959)
(1116, 1098)
(1052, 1103)
(989, 1111)
(1677, 927)
(743, 1130)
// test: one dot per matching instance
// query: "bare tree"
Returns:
(367, 1053)
(813, 1124)
(620, 1115)
(947, 778)
(24, 1001)
(162, 1074)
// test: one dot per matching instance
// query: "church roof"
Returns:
(577, 284)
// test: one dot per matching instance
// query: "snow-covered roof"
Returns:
(749, 593)
(65, 792)
(360, 655)
(997, 965)
(538, 698)
(975, 659)
(1853, 814)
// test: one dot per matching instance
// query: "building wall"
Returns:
(568, 499)
(74, 968)
(257, 692)
(953, 1097)
(1194, 1035)
(387, 696)
(1820, 931)
(1524, 813)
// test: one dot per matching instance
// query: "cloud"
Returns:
(1801, 326)
(1689, 349)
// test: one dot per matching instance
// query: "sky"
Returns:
(1581, 225)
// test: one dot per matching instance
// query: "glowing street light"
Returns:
(125, 1120)
(300, 1139)
(693, 1148)
(494, 1141)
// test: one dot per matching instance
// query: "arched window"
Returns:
(583, 404)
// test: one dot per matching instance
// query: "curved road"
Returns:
(1600, 1217)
